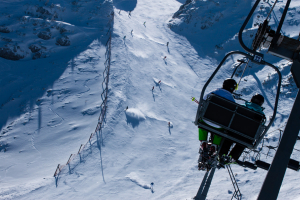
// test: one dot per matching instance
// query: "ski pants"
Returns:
(203, 135)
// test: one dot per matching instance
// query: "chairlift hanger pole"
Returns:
(271, 10)
(242, 29)
(282, 18)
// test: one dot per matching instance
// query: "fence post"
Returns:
(80, 148)
(69, 159)
(91, 136)
(55, 173)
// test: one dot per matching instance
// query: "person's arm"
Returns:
(205, 96)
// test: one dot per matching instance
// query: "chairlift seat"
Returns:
(241, 124)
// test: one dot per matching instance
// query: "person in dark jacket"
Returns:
(229, 85)
(205, 161)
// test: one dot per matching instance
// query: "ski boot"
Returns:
(208, 156)
(225, 160)
(201, 166)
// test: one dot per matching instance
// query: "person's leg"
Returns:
(236, 151)
(202, 149)
(225, 147)
(216, 139)
(203, 146)
(202, 134)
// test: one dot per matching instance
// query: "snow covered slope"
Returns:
(137, 155)
(209, 24)
(49, 105)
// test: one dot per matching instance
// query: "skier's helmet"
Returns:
(229, 85)
(258, 99)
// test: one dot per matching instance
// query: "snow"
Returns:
(135, 114)
(50, 105)
(135, 179)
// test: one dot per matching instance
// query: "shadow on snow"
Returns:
(126, 5)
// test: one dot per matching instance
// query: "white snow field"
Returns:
(51, 105)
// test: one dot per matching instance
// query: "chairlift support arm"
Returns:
(282, 18)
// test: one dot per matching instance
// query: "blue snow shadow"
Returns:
(181, 1)
(210, 41)
(25, 82)
(134, 117)
(126, 5)
(133, 121)
(3, 147)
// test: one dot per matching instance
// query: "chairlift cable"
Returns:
(275, 18)
(278, 22)
(271, 9)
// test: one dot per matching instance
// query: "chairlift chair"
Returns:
(240, 124)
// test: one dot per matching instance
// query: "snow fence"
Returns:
(103, 96)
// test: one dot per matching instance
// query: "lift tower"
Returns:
(286, 48)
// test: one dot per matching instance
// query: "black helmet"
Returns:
(229, 84)
(258, 99)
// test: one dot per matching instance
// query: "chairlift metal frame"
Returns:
(202, 103)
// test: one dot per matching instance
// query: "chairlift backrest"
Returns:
(241, 124)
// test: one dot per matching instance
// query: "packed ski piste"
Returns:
(152, 99)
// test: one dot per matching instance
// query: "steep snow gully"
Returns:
(158, 61)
